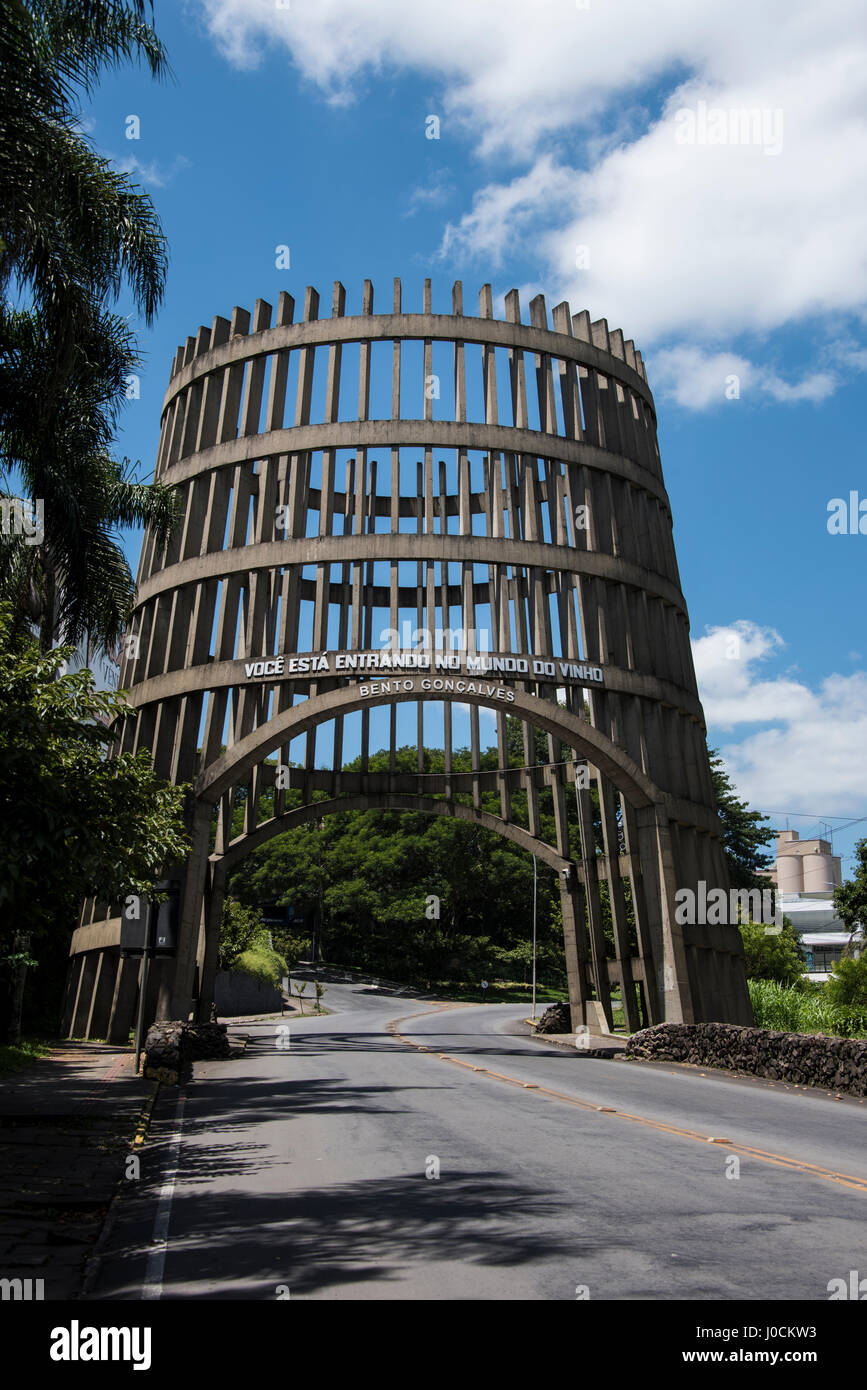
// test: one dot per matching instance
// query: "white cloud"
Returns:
(151, 171)
(696, 378)
(505, 214)
(433, 194)
(513, 71)
(697, 239)
(691, 246)
(814, 751)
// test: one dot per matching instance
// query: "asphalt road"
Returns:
(309, 1171)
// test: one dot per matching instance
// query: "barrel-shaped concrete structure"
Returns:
(406, 525)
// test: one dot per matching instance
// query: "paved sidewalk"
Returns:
(66, 1126)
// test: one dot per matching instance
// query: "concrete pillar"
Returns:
(121, 1019)
(84, 1000)
(211, 944)
(575, 945)
(192, 908)
(102, 994)
(74, 974)
(669, 953)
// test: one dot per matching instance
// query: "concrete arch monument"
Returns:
(459, 514)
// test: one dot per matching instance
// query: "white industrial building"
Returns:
(806, 873)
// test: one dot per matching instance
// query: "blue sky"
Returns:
(563, 166)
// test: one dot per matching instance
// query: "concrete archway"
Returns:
(546, 541)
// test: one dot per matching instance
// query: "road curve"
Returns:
(354, 1165)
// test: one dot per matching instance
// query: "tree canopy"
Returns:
(78, 821)
(772, 955)
(74, 232)
(850, 900)
(745, 832)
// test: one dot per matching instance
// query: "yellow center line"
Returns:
(795, 1165)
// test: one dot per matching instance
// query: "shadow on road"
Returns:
(313, 1238)
(322, 1043)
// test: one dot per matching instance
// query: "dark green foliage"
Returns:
(73, 233)
(245, 945)
(744, 835)
(241, 928)
(76, 821)
(362, 880)
(57, 436)
(850, 900)
(73, 228)
(848, 982)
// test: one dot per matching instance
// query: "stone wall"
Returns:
(802, 1059)
(556, 1019)
(170, 1047)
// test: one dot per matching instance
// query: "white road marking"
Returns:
(153, 1279)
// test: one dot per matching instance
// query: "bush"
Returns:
(848, 982)
(263, 964)
(239, 931)
(245, 945)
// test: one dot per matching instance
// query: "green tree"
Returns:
(368, 878)
(73, 228)
(515, 742)
(240, 930)
(57, 439)
(850, 900)
(245, 945)
(744, 834)
(772, 956)
(848, 981)
(77, 820)
(73, 233)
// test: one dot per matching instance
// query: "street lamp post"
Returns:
(143, 984)
(535, 872)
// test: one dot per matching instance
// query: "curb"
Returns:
(93, 1262)
(146, 1115)
(600, 1049)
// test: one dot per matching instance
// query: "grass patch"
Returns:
(15, 1057)
(789, 1009)
(498, 992)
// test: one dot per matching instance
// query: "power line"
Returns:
(838, 828)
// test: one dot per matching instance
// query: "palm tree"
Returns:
(75, 578)
(71, 226)
(73, 232)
